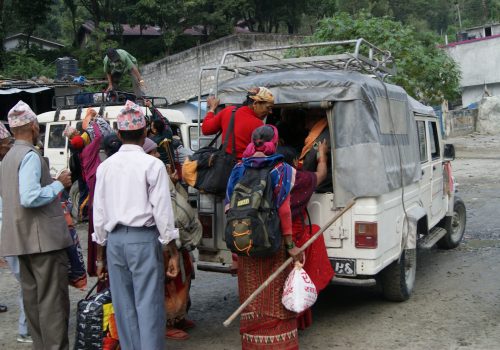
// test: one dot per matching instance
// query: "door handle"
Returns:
(434, 167)
(423, 172)
(62, 152)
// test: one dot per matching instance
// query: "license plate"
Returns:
(344, 267)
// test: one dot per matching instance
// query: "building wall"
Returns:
(472, 94)
(478, 61)
(176, 77)
(480, 32)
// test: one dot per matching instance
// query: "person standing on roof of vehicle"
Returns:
(118, 62)
(258, 104)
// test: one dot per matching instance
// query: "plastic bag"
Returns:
(299, 292)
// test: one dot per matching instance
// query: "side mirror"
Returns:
(449, 152)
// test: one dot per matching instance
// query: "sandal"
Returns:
(3, 308)
(185, 324)
(176, 334)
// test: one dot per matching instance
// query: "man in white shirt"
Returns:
(133, 217)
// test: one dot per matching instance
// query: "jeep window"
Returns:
(193, 137)
(434, 138)
(56, 138)
(422, 141)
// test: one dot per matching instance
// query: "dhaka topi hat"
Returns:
(4, 133)
(69, 131)
(21, 114)
(149, 145)
(261, 94)
(131, 117)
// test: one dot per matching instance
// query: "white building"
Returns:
(19, 40)
(479, 59)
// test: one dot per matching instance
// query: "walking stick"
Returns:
(285, 264)
(166, 145)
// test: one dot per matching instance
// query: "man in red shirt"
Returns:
(250, 116)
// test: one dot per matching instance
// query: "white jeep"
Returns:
(386, 153)
(69, 112)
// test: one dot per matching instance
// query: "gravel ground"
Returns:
(455, 305)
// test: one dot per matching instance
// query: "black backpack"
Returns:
(253, 224)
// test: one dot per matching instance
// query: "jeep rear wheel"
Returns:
(397, 279)
(454, 226)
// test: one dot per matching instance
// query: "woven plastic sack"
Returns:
(299, 292)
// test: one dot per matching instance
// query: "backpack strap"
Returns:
(230, 130)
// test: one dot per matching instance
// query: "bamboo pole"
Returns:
(275, 274)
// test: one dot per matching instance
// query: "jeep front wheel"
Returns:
(454, 226)
(397, 279)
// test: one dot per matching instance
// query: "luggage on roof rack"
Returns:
(112, 98)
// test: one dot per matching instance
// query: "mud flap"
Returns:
(409, 238)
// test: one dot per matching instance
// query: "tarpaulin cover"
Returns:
(376, 146)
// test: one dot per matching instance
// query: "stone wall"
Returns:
(176, 77)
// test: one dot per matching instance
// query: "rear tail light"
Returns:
(365, 234)
(206, 224)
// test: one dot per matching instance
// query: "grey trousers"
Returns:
(137, 280)
(44, 280)
(13, 262)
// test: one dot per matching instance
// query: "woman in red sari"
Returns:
(316, 263)
(265, 323)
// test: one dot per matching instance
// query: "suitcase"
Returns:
(90, 317)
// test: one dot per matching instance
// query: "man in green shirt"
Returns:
(118, 62)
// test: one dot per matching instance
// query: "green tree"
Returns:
(31, 13)
(424, 70)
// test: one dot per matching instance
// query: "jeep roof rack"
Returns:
(98, 99)
(360, 55)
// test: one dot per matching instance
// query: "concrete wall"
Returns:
(478, 61)
(471, 94)
(176, 77)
